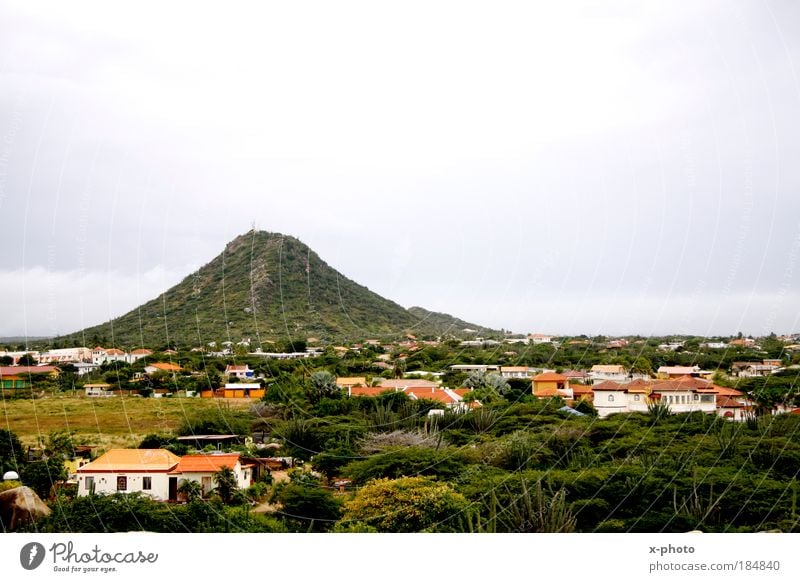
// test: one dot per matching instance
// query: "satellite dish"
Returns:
(10, 476)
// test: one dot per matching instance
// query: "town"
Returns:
(304, 435)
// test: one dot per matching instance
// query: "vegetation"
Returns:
(260, 281)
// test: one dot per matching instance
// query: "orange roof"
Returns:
(141, 352)
(462, 391)
(580, 389)
(546, 393)
(368, 391)
(205, 463)
(513, 368)
(166, 367)
(723, 391)
(550, 377)
(115, 352)
(132, 460)
(607, 385)
(437, 395)
(725, 402)
(408, 383)
(420, 390)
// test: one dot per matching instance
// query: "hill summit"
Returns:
(266, 286)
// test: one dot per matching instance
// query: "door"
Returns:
(173, 488)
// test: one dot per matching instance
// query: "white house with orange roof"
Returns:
(201, 469)
(136, 355)
(241, 372)
(131, 471)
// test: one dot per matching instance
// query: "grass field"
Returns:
(105, 422)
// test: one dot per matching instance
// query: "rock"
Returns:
(20, 506)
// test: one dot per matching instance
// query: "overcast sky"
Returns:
(569, 167)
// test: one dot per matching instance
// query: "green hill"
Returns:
(268, 287)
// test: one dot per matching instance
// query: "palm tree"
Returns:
(225, 480)
(191, 489)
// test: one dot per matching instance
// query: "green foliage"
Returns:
(226, 485)
(42, 475)
(218, 421)
(323, 385)
(136, 512)
(193, 490)
(410, 504)
(445, 463)
(11, 453)
(309, 507)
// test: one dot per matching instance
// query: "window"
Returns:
(90, 484)
(636, 397)
(611, 398)
(122, 483)
(697, 397)
(147, 483)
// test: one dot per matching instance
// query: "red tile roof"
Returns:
(607, 385)
(725, 402)
(17, 370)
(130, 460)
(205, 463)
(550, 377)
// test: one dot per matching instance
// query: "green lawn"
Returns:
(105, 422)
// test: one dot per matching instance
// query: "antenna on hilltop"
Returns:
(253, 226)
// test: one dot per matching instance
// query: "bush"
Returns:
(410, 504)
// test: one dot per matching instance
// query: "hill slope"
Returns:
(265, 286)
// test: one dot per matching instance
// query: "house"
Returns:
(582, 392)
(611, 372)
(576, 376)
(611, 397)
(551, 384)
(66, 356)
(241, 372)
(11, 384)
(201, 469)
(451, 399)
(515, 371)
(97, 390)
(26, 372)
(540, 338)
(745, 342)
(137, 355)
(406, 383)
(686, 394)
(714, 345)
(758, 371)
(165, 367)
(343, 382)
(144, 471)
(101, 356)
(475, 368)
(667, 372)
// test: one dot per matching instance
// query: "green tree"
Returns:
(11, 452)
(323, 385)
(42, 475)
(225, 480)
(311, 507)
(409, 504)
(191, 489)
(27, 360)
